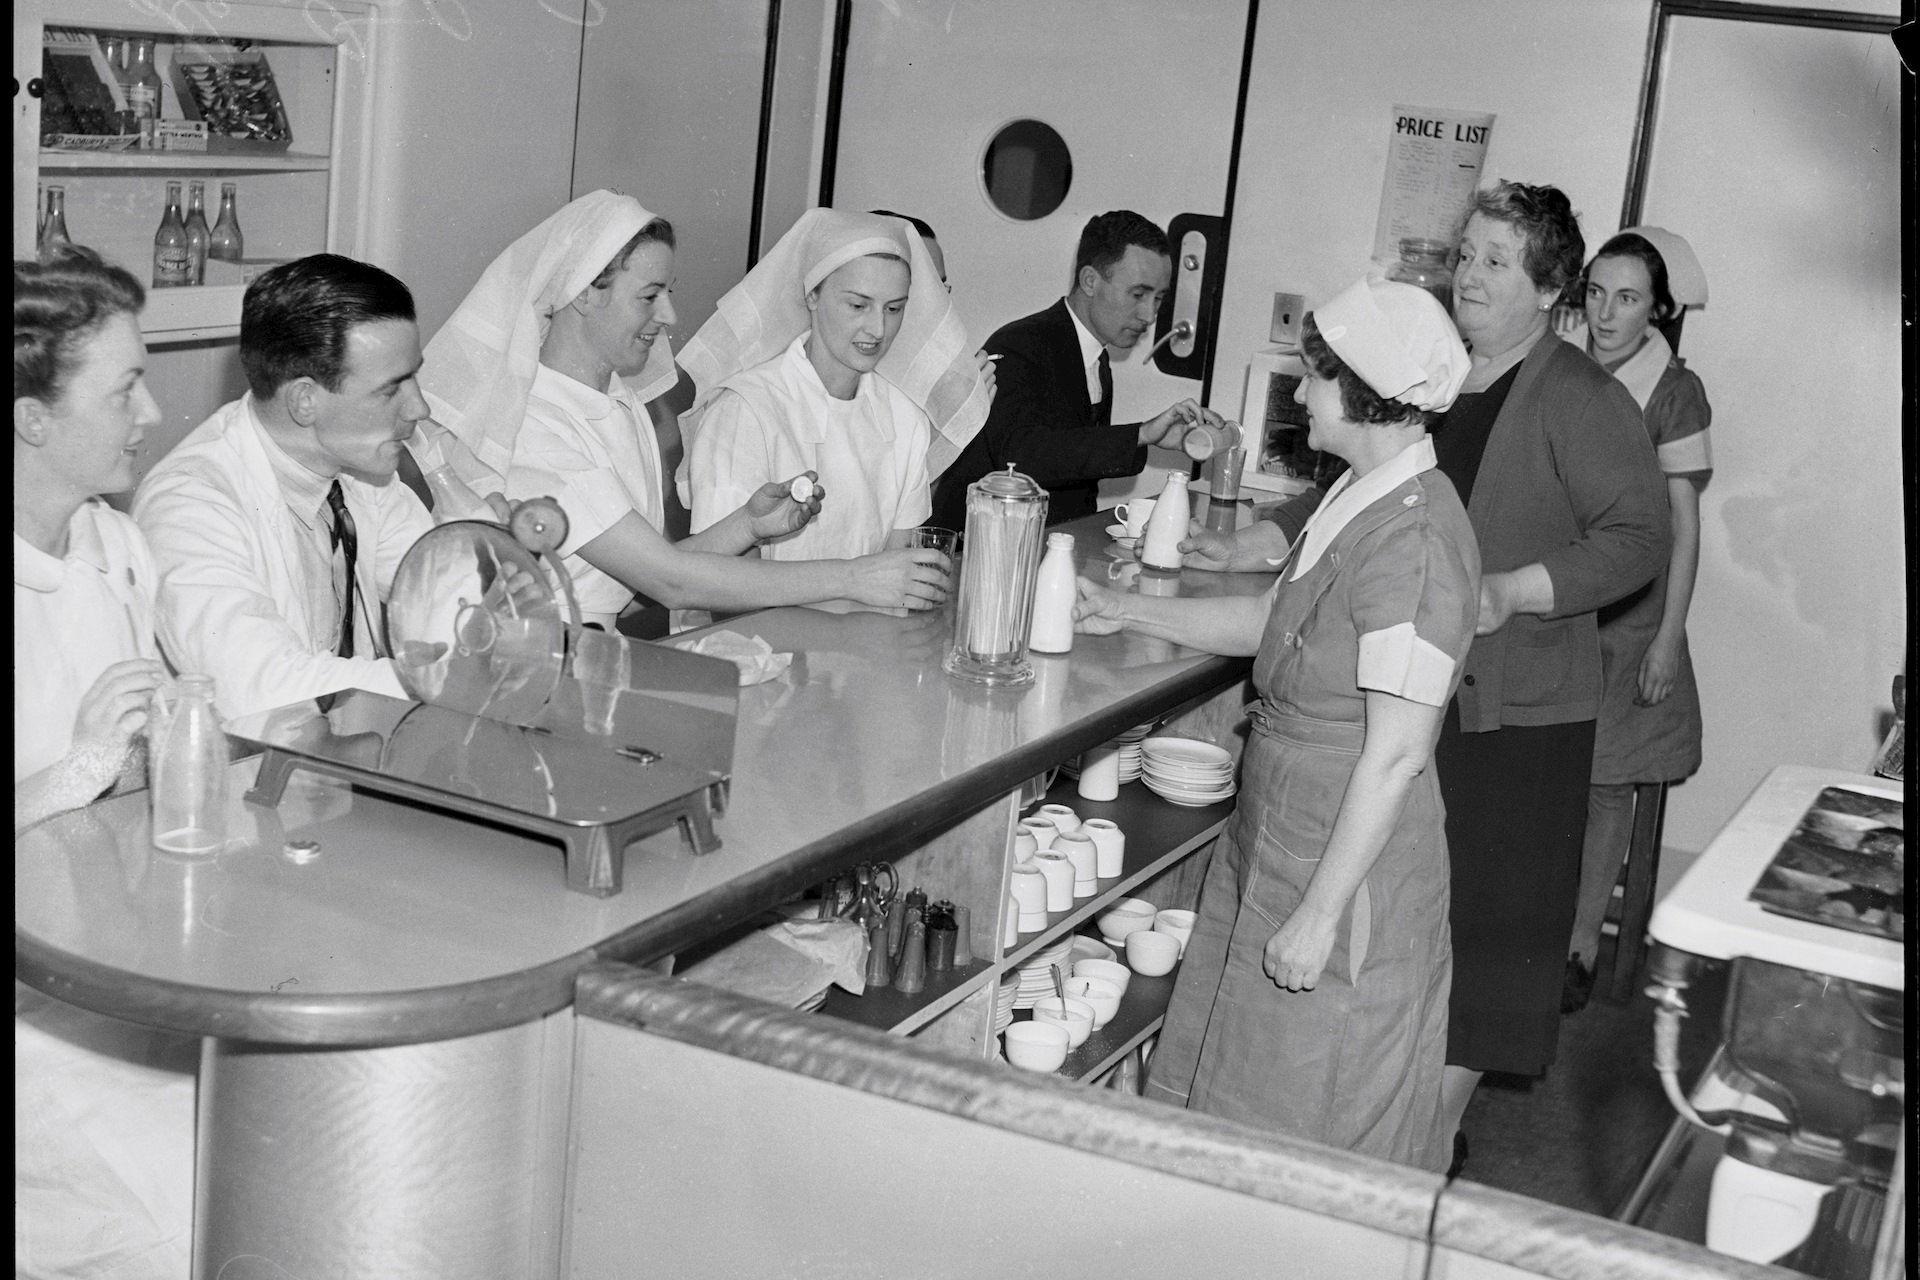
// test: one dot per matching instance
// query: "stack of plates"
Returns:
(1036, 975)
(1187, 772)
(1003, 1001)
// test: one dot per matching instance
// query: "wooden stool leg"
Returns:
(1636, 905)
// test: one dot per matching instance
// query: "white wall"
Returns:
(476, 120)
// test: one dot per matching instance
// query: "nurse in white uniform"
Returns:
(103, 1110)
(822, 402)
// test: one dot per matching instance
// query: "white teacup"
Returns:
(1085, 857)
(1064, 819)
(1076, 1016)
(1041, 828)
(1029, 888)
(1101, 994)
(1059, 876)
(1176, 924)
(1110, 970)
(1037, 1046)
(1110, 845)
(1152, 953)
(1134, 514)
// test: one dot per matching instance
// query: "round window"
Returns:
(1027, 170)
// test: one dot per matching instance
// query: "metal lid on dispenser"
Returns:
(1010, 485)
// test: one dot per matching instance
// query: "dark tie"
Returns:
(1103, 412)
(346, 548)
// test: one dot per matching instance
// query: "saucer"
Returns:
(1118, 532)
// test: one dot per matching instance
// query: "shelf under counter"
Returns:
(1142, 1009)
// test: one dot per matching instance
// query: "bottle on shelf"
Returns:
(53, 232)
(172, 260)
(115, 49)
(197, 233)
(1053, 596)
(143, 87)
(39, 214)
(225, 242)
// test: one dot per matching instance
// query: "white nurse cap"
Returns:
(1685, 280)
(1398, 338)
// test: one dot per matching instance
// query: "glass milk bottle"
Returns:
(1006, 514)
(1054, 592)
(187, 753)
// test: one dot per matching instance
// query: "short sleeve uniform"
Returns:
(777, 420)
(595, 453)
(1387, 601)
(1660, 743)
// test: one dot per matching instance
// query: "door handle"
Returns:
(1183, 331)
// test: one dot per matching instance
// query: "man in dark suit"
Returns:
(1052, 415)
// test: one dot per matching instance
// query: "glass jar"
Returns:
(188, 758)
(1423, 262)
(1006, 517)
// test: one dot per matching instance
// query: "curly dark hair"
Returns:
(1555, 248)
(657, 231)
(1107, 237)
(1629, 245)
(1360, 402)
(59, 302)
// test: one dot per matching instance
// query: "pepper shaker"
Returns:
(911, 977)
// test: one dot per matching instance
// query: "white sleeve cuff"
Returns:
(1689, 455)
(1399, 662)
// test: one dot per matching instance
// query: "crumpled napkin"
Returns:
(789, 963)
(754, 657)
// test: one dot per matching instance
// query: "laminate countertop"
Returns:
(411, 925)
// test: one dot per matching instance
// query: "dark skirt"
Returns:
(1516, 818)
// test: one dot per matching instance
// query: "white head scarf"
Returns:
(479, 366)
(1685, 280)
(1398, 338)
(931, 360)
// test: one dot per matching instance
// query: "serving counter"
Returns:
(423, 1055)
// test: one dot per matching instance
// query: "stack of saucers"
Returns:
(1036, 975)
(1128, 745)
(1187, 772)
(1003, 1002)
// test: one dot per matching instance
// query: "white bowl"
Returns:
(1102, 996)
(1151, 953)
(1037, 1046)
(1129, 915)
(1077, 1018)
(1085, 948)
(1108, 970)
(1176, 923)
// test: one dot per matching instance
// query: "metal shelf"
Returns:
(111, 162)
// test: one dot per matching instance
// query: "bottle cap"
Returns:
(1059, 542)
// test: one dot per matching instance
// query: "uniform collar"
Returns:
(1349, 497)
(811, 424)
(38, 571)
(1640, 372)
(576, 397)
(1090, 346)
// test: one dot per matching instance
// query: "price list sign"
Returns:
(1434, 159)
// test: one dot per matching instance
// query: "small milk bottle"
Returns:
(188, 756)
(1053, 596)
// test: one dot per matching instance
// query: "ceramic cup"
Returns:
(1024, 845)
(1037, 1046)
(1152, 953)
(1100, 774)
(1059, 875)
(1041, 828)
(1176, 924)
(1085, 857)
(1110, 845)
(1029, 888)
(1135, 514)
(1102, 996)
(1077, 1017)
(1064, 819)
(1108, 970)
(1010, 936)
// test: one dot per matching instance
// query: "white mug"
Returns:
(1110, 843)
(1100, 774)
(1134, 514)
(1064, 818)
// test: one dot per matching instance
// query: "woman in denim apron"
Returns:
(1313, 996)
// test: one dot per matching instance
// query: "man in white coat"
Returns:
(277, 524)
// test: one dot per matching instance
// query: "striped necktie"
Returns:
(346, 549)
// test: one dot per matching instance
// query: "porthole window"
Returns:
(1027, 170)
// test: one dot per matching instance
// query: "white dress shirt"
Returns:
(1090, 349)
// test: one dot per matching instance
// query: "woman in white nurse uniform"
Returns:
(850, 307)
(103, 1110)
